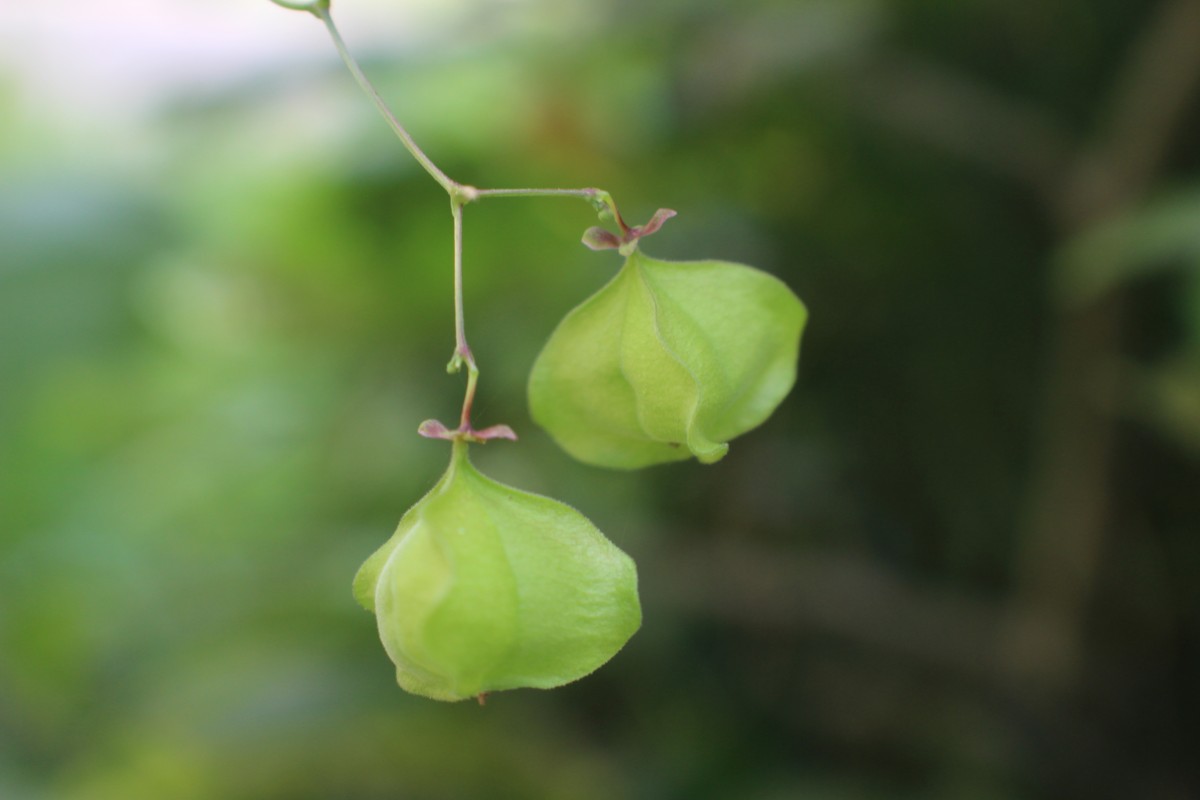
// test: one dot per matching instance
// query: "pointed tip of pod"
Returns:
(712, 454)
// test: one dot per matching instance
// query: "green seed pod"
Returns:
(484, 587)
(669, 360)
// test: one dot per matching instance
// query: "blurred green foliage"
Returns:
(958, 563)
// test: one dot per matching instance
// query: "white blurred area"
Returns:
(89, 61)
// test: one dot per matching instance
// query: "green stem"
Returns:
(601, 200)
(462, 350)
(460, 195)
(452, 187)
(311, 5)
(461, 192)
(586, 194)
(464, 422)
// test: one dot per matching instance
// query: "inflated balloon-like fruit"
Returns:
(484, 587)
(670, 360)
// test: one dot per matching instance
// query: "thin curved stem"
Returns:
(451, 186)
(464, 422)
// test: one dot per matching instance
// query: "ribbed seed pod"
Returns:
(484, 587)
(669, 360)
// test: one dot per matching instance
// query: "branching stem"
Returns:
(461, 194)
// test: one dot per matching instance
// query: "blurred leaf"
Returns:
(1161, 235)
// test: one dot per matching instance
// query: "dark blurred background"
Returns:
(959, 562)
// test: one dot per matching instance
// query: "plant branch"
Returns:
(600, 200)
(1149, 95)
(463, 192)
(587, 194)
(462, 351)
(1068, 504)
(460, 195)
(451, 186)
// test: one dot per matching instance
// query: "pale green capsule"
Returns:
(669, 360)
(484, 587)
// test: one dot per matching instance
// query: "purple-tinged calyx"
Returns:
(597, 238)
(433, 429)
